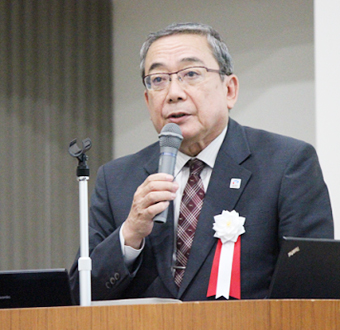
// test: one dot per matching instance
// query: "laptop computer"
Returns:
(307, 268)
(35, 288)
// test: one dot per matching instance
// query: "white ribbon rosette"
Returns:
(228, 227)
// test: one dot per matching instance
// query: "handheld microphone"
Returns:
(170, 140)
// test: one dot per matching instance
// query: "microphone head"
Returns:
(170, 136)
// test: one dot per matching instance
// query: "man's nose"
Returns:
(175, 90)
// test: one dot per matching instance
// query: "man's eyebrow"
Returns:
(157, 65)
(191, 59)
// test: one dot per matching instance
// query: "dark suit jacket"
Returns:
(282, 193)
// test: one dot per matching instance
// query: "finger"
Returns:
(153, 179)
(157, 208)
(158, 196)
(153, 191)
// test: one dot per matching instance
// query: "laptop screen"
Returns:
(307, 268)
(35, 288)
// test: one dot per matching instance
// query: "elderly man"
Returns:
(270, 183)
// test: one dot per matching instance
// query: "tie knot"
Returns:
(196, 166)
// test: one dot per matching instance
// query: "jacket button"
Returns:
(117, 276)
(108, 285)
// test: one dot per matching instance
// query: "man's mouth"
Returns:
(177, 115)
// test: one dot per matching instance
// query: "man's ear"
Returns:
(232, 86)
(146, 97)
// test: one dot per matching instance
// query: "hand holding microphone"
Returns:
(147, 197)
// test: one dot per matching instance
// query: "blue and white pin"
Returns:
(235, 183)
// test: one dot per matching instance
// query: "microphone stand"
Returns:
(84, 261)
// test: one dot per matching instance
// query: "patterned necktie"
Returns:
(190, 209)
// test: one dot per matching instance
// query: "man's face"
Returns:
(201, 110)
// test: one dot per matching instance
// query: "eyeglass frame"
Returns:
(176, 72)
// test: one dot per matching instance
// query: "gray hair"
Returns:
(219, 48)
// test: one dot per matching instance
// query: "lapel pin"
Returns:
(235, 183)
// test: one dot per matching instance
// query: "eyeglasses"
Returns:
(191, 76)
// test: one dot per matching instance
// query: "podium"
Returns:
(222, 315)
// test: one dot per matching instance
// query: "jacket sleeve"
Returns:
(304, 204)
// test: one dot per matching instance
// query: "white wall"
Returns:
(327, 63)
(272, 43)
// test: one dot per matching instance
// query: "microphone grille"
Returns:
(170, 136)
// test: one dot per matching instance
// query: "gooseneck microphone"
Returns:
(170, 139)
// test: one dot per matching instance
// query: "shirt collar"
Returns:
(207, 155)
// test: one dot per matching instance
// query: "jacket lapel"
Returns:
(219, 197)
(162, 241)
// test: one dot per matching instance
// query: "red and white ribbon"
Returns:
(225, 277)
